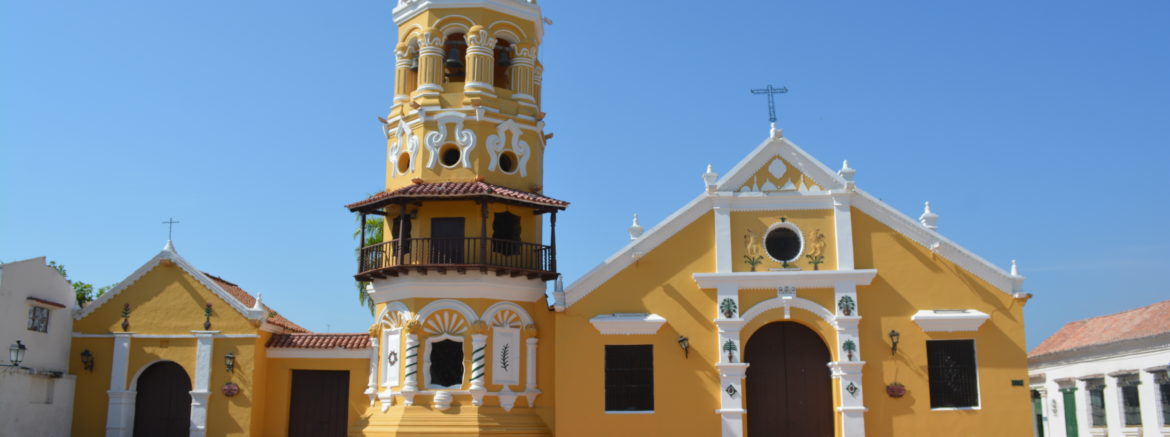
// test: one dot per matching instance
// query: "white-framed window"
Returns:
(444, 362)
(38, 318)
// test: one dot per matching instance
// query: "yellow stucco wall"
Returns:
(745, 224)
(89, 405)
(279, 392)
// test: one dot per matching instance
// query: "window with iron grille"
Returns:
(38, 319)
(1163, 381)
(954, 380)
(629, 378)
(1129, 399)
(1096, 389)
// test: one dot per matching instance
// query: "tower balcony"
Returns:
(458, 255)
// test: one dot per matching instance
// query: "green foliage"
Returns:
(815, 260)
(753, 261)
(729, 346)
(375, 228)
(728, 308)
(505, 356)
(83, 291)
(849, 346)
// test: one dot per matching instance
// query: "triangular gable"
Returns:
(778, 176)
(808, 167)
(168, 253)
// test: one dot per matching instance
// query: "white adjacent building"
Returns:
(1104, 376)
(36, 310)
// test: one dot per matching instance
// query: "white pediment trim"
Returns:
(950, 320)
(628, 323)
(168, 253)
(786, 150)
(796, 278)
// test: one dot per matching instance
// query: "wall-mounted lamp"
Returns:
(229, 360)
(16, 353)
(87, 360)
(894, 336)
(685, 344)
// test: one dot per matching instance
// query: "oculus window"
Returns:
(783, 244)
(629, 378)
(446, 368)
(954, 380)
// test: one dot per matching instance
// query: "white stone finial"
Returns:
(709, 178)
(258, 306)
(169, 247)
(635, 229)
(928, 218)
(1015, 269)
(776, 133)
(846, 171)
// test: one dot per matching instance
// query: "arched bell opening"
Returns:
(454, 56)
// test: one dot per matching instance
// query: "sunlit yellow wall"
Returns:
(686, 390)
(89, 405)
(910, 279)
(470, 211)
(758, 222)
(279, 389)
(259, 387)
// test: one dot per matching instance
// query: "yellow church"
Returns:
(811, 308)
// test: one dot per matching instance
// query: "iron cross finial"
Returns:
(771, 91)
(170, 226)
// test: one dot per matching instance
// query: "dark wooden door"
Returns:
(447, 240)
(163, 404)
(789, 390)
(319, 403)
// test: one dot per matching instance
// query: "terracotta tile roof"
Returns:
(248, 300)
(1136, 323)
(456, 190)
(320, 341)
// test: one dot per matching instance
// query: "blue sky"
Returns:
(1038, 130)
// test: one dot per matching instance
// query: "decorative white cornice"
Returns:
(797, 278)
(169, 254)
(950, 320)
(524, 9)
(628, 323)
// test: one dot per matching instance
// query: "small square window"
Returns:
(38, 319)
(629, 378)
(953, 376)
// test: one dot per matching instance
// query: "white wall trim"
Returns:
(457, 286)
(628, 323)
(794, 278)
(489, 313)
(447, 304)
(796, 302)
(363, 353)
(962, 320)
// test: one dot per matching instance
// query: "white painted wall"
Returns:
(1109, 361)
(32, 400)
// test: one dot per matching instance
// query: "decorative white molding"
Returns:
(120, 411)
(790, 302)
(794, 278)
(628, 323)
(949, 320)
(523, 9)
(505, 363)
(499, 143)
(447, 304)
(464, 138)
(490, 314)
(786, 225)
(404, 142)
(471, 285)
(635, 229)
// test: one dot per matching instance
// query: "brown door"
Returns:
(163, 404)
(789, 392)
(447, 240)
(318, 407)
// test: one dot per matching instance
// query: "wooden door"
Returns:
(1070, 412)
(789, 390)
(319, 403)
(447, 240)
(163, 404)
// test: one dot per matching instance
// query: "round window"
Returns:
(449, 156)
(783, 244)
(508, 162)
(403, 162)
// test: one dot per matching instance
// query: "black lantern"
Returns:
(16, 353)
(87, 360)
(685, 344)
(894, 336)
(229, 360)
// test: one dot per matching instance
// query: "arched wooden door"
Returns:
(789, 391)
(163, 405)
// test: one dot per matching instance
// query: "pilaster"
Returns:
(530, 390)
(723, 261)
(410, 385)
(403, 60)
(1150, 401)
(843, 228)
(372, 382)
(521, 72)
(200, 388)
(120, 410)
(478, 370)
(731, 402)
(479, 88)
(430, 67)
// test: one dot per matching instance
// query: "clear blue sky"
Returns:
(1038, 130)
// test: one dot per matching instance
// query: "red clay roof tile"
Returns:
(1127, 325)
(320, 341)
(249, 301)
(456, 190)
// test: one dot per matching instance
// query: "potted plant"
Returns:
(728, 307)
(730, 348)
(896, 390)
(846, 305)
(125, 317)
(849, 346)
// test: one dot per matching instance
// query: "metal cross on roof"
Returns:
(771, 91)
(170, 226)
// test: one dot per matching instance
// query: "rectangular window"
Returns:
(954, 380)
(1163, 381)
(1096, 388)
(38, 319)
(1129, 399)
(629, 378)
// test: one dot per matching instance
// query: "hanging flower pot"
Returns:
(231, 389)
(896, 390)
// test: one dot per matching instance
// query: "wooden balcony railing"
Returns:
(422, 254)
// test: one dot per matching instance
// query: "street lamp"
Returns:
(16, 353)
(894, 336)
(685, 344)
(229, 360)
(87, 360)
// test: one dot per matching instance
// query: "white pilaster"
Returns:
(1084, 418)
(848, 367)
(530, 390)
(478, 370)
(843, 228)
(1113, 417)
(1149, 400)
(731, 398)
(200, 388)
(852, 408)
(723, 261)
(410, 386)
(372, 384)
(121, 405)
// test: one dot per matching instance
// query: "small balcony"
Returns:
(459, 255)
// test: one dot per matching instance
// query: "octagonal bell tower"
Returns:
(459, 276)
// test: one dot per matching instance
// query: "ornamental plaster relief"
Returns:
(500, 142)
(464, 138)
(778, 176)
(404, 146)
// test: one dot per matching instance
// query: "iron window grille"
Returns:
(953, 375)
(629, 378)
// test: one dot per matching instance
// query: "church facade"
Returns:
(782, 300)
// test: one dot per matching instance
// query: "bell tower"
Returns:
(460, 273)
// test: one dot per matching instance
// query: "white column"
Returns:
(410, 386)
(1113, 417)
(847, 369)
(723, 261)
(1083, 407)
(1149, 399)
(478, 370)
(120, 411)
(200, 389)
(372, 384)
(731, 398)
(843, 228)
(530, 390)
